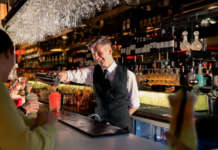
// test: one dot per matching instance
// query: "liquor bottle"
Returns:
(132, 45)
(147, 43)
(200, 76)
(162, 41)
(137, 43)
(128, 25)
(124, 26)
(192, 77)
(209, 76)
(128, 43)
(172, 39)
(183, 77)
(153, 43)
(196, 44)
(185, 45)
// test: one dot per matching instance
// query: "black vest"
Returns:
(112, 99)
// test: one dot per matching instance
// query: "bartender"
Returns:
(114, 85)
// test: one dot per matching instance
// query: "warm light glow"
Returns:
(83, 43)
(130, 57)
(64, 37)
(20, 52)
(29, 51)
(125, 33)
(110, 37)
(56, 50)
(82, 51)
(149, 28)
(67, 49)
(157, 29)
(212, 7)
(3, 11)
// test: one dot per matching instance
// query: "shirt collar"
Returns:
(112, 67)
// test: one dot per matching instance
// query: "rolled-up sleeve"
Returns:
(83, 76)
(132, 88)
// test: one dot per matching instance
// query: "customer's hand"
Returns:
(176, 142)
(31, 106)
(63, 76)
(45, 117)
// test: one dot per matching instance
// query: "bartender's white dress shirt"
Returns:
(85, 76)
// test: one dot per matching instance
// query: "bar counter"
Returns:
(68, 138)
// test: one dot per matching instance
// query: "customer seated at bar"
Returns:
(115, 86)
(27, 102)
(17, 132)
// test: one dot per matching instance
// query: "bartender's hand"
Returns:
(132, 110)
(95, 117)
(63, 76)
(45, 117)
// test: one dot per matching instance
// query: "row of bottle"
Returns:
(202, 75)
(172, 72)
(195, 45)
(55, 59)
(162, 40)
(140, 43)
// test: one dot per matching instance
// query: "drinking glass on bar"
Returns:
(55, 102)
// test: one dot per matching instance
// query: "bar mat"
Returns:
(89, 126)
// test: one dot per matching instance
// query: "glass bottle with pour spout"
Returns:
(185, 45)
(196, 44)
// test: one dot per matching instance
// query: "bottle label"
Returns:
(133, 46)
(123, 51)
(128, 51)
(166, 44)
(144, 49)
(171, 43)
(162, 44)
(158, 45)
(128, 24)
(124, 25)
(137, 50)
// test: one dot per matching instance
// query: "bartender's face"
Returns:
(102, 54)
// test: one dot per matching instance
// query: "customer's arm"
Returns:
(133, 92)
(17, 134)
